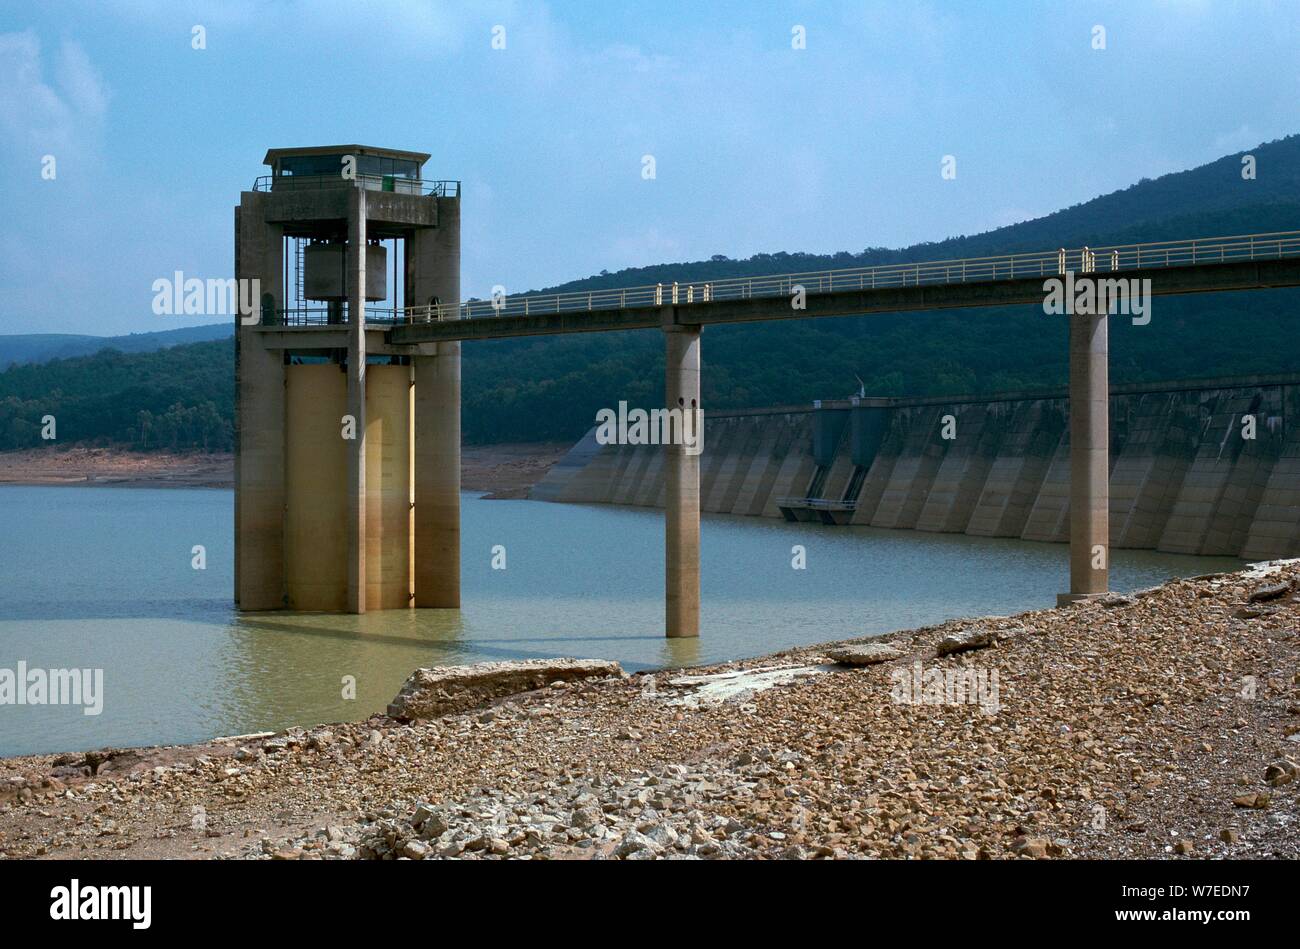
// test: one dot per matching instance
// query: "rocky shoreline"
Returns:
(1164, 724)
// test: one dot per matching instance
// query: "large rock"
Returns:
(430, 693)
(863, 654)
(1281, 772)
(1271, 591)
(967, 640)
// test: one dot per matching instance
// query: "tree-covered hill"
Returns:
(548, 388)
(177, 398)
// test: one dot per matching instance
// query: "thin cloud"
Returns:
(41, 115)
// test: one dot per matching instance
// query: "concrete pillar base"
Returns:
(1069, 599)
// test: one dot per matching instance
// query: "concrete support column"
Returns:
(259, 422)
(356, 448)
(433, 271)
(682, 487)
(1089, 457)
(437, 478)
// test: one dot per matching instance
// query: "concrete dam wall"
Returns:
(1185, 477)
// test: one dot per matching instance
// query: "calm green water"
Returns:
(101, 578)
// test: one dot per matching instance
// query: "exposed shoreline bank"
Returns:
(500, 471)
(1157, 724)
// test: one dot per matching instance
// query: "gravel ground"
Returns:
(1163, 724)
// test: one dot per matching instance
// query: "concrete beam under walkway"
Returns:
(324, 339)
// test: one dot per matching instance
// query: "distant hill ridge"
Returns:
(42, 347)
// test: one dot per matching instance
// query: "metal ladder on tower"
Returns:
(300, 248)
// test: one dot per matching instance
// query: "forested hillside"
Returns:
(550, 388)
(178, 398)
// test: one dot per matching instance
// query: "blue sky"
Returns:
(758, 146)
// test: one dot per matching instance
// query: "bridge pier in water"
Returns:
(1089, 456)
(682, 484)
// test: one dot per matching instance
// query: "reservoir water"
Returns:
(101, 578)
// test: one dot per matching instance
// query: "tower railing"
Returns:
(322, 314)
(393, 183)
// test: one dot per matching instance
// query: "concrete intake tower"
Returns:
(347, 460)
